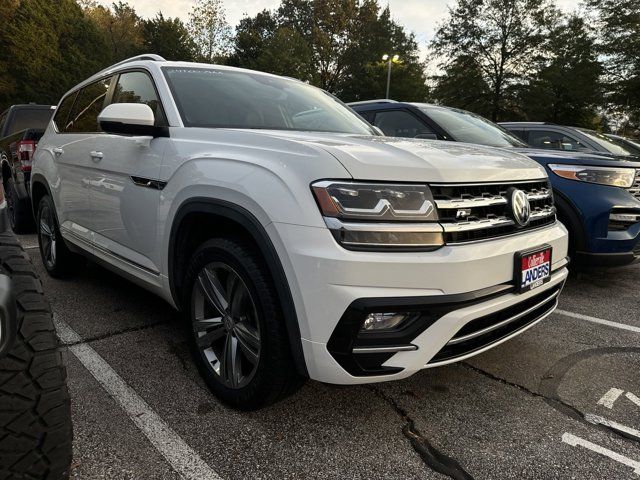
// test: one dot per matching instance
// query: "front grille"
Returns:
(635, 190)
(636, 250)
(484, 331)
(481, 211)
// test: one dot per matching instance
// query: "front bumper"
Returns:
(327, 279)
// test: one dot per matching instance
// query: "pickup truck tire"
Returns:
(35, 413)
(57, 259)
(231, 300)
(19, 210)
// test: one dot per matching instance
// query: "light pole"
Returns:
(390, 59)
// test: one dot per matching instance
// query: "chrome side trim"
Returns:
(393, 349)
(491, 328)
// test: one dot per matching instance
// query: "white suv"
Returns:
(296, 240)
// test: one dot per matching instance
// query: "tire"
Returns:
(57, 259)
(19, 210)
(35, 411)
(265, 371)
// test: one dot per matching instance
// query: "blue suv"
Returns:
(597, 197)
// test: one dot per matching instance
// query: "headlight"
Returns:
(614, 176)
(372, 216)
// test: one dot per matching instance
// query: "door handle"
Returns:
(96, 156)
(57, 151)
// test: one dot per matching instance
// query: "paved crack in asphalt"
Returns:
(112, 334)
(552, 398)
(432, 457)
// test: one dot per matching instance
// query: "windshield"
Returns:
(470, 128)
(220, 98)
(604, 142)
(36, 118)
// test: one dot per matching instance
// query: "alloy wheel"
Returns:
(47, 234)
(225, 325)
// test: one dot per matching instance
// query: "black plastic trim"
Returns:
(250, 223)
(427, 310)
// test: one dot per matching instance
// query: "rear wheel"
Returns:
(35, 412)
(58, 260)
(19, 210)
(236, 326)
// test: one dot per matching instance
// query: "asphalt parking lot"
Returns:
(561, 400)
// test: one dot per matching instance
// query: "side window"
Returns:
(396, 123)
(553, 141)
(87, 107)
(521, 134)
(137, 87)
(62, 112)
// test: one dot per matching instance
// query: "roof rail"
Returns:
(366, 102)
(147, 56)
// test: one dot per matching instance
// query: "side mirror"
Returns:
(427, 136)
(136, 119)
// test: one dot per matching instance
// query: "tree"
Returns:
(168, 37)
(209, 30)
(462, 85)
(566, 88)
(50, 46)
(334, 44)
(618, 22)
(504, 36)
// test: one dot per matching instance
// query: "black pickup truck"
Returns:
(21, 126)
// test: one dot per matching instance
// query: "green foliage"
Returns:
(168, 37)
(120, 27)
(503, 36)
(566, 88)
(48, 46)
(618, 22)
(209, 30)
(463, 85)
(334, 44)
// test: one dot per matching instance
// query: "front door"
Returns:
(124, 190)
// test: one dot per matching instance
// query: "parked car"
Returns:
(597, 197)
(296, 241)
(549, 136)
(35, 412)
(21, 126)
(629, 144)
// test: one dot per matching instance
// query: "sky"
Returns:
(419, 16)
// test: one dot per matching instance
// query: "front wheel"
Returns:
(236, 325)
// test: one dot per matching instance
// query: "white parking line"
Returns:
(575, 441)
(185, 461)
(609, 398)
(633, 398)
(598, 420)
(608, 323)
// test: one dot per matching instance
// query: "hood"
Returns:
(415, 160)
(580, 158)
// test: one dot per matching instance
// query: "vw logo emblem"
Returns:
(521, 207)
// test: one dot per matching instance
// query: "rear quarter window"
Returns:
(62, 113)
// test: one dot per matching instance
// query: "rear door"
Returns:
(71, 147)
(125, 193)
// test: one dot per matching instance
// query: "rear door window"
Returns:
(62, 113)
(87, 107)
